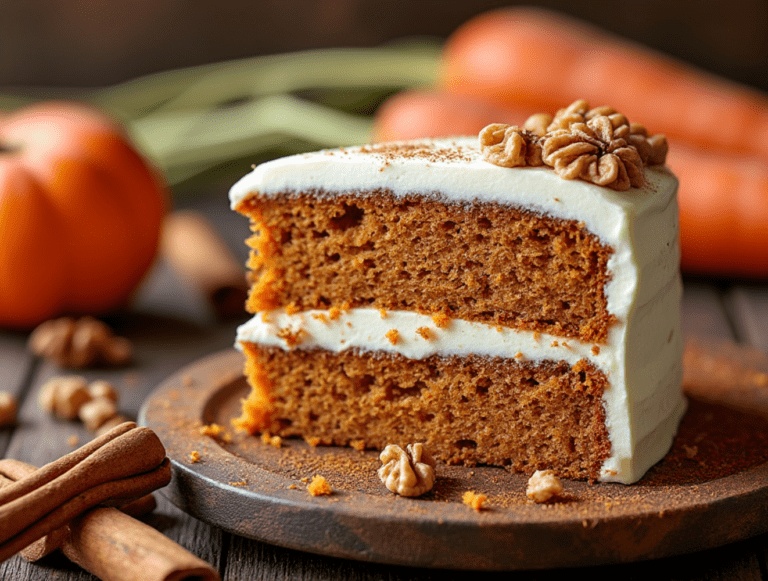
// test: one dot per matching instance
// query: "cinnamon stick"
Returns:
(197, 253)
(59, 538)
(116, 547)
(127, 462)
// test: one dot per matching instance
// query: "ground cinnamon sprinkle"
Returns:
(712, 442)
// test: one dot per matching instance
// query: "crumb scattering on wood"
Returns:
(194, 456)
(319, 487)
(270, 440)
(474, 500)
(216, 432)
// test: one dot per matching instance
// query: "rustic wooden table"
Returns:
(171, 326)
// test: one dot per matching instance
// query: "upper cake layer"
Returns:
(639, 225)
(488, 263)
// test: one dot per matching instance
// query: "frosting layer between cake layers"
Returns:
(642, 355)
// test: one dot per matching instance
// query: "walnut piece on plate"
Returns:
(409, 472)
(543, 486)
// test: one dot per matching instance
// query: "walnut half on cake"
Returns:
(501, 315)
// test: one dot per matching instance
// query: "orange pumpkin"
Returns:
(80, 214)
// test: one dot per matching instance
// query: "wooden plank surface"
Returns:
(170, 328)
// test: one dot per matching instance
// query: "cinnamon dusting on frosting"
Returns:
(390, 152)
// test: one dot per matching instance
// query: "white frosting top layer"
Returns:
(642, 356)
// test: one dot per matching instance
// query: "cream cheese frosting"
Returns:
(642, 356)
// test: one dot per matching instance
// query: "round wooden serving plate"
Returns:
(711, 489)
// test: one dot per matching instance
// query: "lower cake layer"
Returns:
(469, 409)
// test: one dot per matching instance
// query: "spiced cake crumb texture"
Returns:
(452, 404)
(479, 262)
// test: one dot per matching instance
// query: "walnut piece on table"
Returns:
(409, 472)
(64, 396)
(96, 412)
(78, 343)
(71, 397)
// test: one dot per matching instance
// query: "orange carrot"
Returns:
(723, 196)
(723, 212)
(531, 57)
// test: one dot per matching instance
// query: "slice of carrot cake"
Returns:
(486, 297)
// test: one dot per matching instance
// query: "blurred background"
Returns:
(91, 43)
